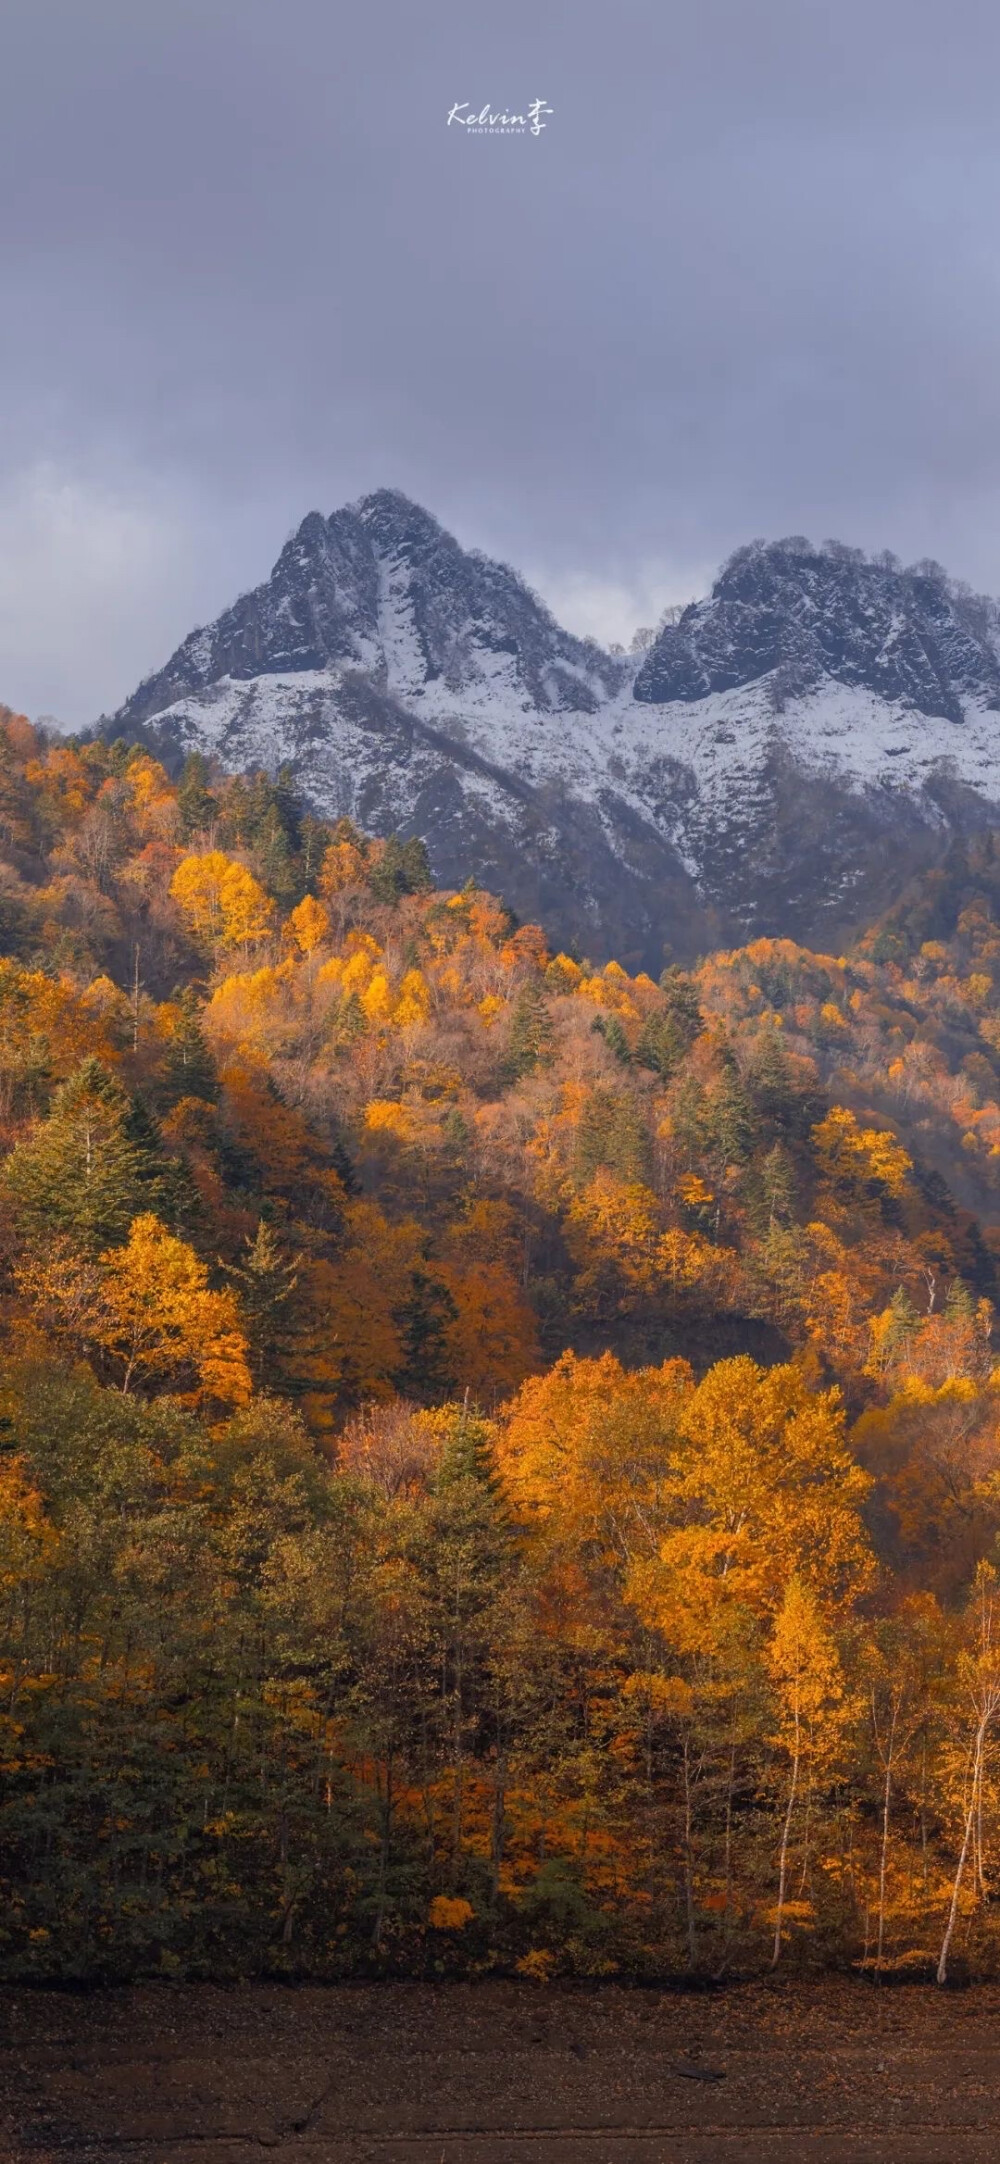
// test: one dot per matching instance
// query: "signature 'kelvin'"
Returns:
(514, 123)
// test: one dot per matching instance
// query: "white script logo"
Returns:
(488, 122)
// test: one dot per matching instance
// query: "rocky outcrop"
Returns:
(779, 760)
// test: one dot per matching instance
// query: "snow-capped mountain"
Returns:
(777, 760)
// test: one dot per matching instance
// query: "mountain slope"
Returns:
(778, 760)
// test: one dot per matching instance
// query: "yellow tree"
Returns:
(977, 1693)
(343, 866)
(585, 1451)
(611, 1233)
(27, 1539)
(492, 1337)
(758, 1488)
(761, 1486)
(900, 1662)
(308, 925)
(806, 1673)
(852, 1156)
(157, 1318)
(221, 900)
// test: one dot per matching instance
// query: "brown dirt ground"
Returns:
(501, 2073)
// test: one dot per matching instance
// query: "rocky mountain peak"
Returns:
(395, 522)
(911, 636)
(778, 760)
(382, 587)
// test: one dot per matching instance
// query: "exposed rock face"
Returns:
(381, 587)
(906, 636)
(779, 760)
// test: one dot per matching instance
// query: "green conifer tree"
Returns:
(609, 1027)
(195, 802)
(265, 1280)
(682, 1003)
(91, 1167)
(731, 1117)
(612, 1137)
(468, 1453)
(530, 1032)
(781, 1109)
(660, 1045)
(189, 1069)
(425, 1372)
(402, 868)
(959, 1305)
(905, 1320)
(770, 1190)
(167, 1187)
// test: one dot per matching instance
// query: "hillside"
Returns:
(492, 1443)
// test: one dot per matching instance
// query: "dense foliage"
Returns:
(499, 1459)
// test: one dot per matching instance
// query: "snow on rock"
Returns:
(816, 727)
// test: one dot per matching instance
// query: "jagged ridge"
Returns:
(779, 759)
(911, 636)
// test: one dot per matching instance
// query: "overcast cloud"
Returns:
(746, 282)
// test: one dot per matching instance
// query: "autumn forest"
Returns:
(499, 1456)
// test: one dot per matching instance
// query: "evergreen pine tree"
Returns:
(781, 1109)
(530, 1032)
(315, 837)
(273, 831)
(195, 802)
(690, 1114)
(167, 1188)
(265, 1281)
(236, 819)
(731, 1114)
(189, 1066)
(424, 1317)
(905, 1320)
(775, 1184)
(612, 1137)
(91, 1167)
(402, 868)
(959, 1305)
(609, 1027)
(660, 1045)
(468, 1453)
(682, 1003)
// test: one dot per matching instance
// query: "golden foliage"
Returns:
(308, 925)
(157, 1318)
(849, 1152)
(221, 900)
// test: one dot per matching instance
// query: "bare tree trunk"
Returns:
(785, 1833)
(977, 1760)
(718, 1973)
(806, 1835)
(730, 1786)
(923, 1818)
(383, 1860)
(459, 1751)
(689, 1858)
(498, 1823)
(884, 1857)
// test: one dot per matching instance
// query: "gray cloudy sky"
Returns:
(747, 282)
